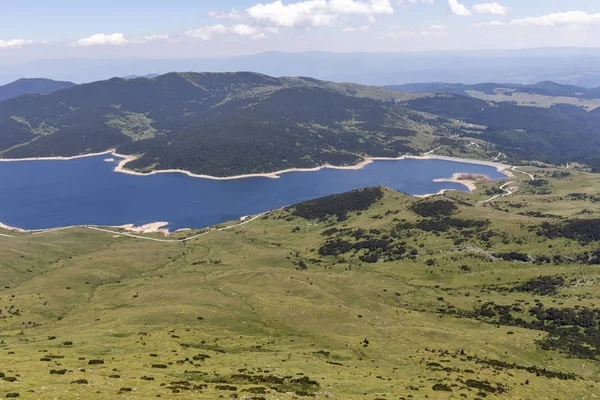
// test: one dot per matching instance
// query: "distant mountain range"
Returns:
(546, 88)
(32, 86)
(573, 66)
(147, 76)
(225, 124)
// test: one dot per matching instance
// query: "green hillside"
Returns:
(241, 123)
(218, 124)
(557, 135)
(545, 88)
(364, 295)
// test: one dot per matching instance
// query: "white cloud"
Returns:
(433, 30)
(488, 23)
(569, 18)
(490, 8)
(115, 39)
(458, 9)
(101, 39)
(364, 28)
(307, 13)
(233, 14)
(206, 32)
(14, 43)
(368, 7)
(251, 31)
(400, 2)
(153, 38)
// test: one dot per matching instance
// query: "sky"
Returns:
(41, 29)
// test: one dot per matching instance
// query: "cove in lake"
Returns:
(87, 191)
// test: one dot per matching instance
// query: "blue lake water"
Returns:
(50, 194)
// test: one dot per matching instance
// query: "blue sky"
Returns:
(32, 29)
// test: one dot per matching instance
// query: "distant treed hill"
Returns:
(546, 88)
(226, 124)
(558, 134)
(31, 86)
(218, 124)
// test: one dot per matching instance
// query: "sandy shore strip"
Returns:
(503, 168)
(57, 158)
(11, 228)
(469, 180)
(155, 227)
(424, 196)
(273, 175)
(125, 159)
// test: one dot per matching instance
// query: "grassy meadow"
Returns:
(400, 298)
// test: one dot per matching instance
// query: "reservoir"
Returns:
(55, 193)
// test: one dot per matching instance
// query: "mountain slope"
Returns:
(31, 86)
(217, 124)
(546, 88)
(243, 123)
(359, 296)
(558, 134)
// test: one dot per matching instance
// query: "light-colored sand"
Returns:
(154, 227)
(125, 159)
(423, 196)
(57, 158)
(148, 228)
(10, 228)
(128, 158)
(274, 175)
(469, 180)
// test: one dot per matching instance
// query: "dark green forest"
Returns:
(559, 134)
(239, 123)
(217, 124)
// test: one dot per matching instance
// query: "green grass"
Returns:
(238, 297)
(536, 100)
(136, 126)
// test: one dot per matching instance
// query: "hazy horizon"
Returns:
(571, 65)
(82, 42)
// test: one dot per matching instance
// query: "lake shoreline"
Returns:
(159, 227)
(125, 159)
(154, 227)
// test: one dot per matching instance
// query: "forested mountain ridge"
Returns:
(217, 124)
(556, 135)
(226, 124)
(32, 86)
(545, 88)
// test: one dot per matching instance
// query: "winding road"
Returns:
(508, 192)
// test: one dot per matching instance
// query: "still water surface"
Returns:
(49, 194)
